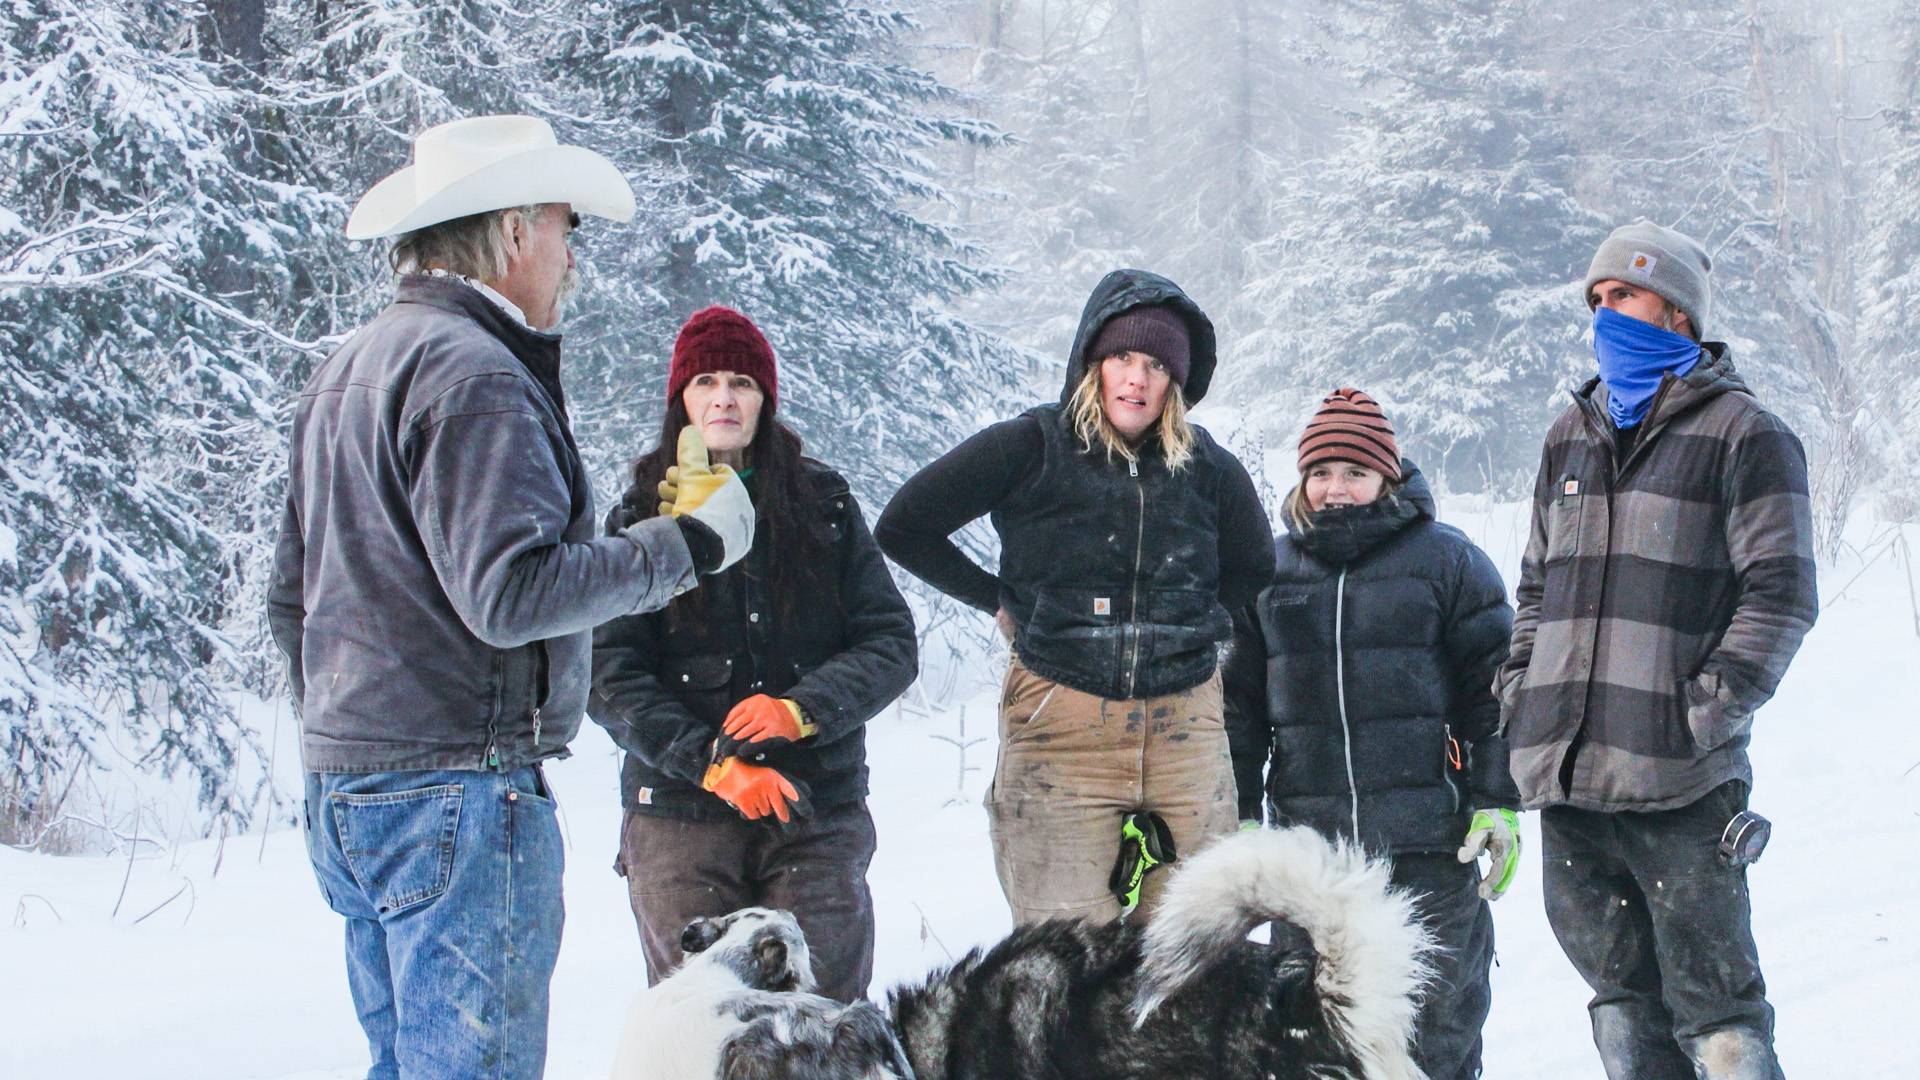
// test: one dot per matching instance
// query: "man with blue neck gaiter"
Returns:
(1668, 581)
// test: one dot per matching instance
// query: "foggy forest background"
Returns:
(913, 200)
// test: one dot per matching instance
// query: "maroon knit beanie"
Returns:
(721, 339)
(1158, 331)
(1349, 426)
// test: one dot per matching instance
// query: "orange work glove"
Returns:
(761, 718)
(754, 790)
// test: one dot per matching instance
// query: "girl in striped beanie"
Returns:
(1348, 457)
(1359, 701)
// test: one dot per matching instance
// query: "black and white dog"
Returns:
(741, 1008)
(1191, 996)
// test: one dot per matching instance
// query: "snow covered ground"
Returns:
(239, 974)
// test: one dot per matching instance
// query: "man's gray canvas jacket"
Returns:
(438, 573)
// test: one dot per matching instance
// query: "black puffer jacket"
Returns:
(663, 682)
(1364, 676)
(1118, 575)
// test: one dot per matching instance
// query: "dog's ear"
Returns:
(700, 935)
(1293, 1001)
(770, 953)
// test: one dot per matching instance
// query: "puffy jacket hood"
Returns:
(1342, 534)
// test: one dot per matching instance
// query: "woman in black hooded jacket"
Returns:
(1126, 535)
(1361, 681)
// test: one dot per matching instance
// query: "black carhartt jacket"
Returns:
(1118, 575)
(664, 681)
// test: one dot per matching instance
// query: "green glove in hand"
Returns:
(1496, 834)
(711, 495)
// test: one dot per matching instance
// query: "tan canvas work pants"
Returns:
(1072, 765)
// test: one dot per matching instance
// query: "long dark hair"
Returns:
(788, 508)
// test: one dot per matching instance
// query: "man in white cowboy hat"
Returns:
(436, 583)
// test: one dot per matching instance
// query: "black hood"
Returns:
(1123, 290)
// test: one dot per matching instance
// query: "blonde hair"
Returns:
(1295, 509)
(1089, 417)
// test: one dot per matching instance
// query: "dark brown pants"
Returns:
(816, 868)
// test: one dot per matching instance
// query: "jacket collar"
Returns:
(1343, 535)
(1712, 376)
(537, 351)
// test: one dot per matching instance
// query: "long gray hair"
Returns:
(474, 246)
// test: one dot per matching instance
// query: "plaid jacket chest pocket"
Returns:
(1566, 517)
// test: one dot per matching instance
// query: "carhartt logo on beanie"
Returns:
(721, 339)
(1349, 426)
(1158, 331)
(1670, 264)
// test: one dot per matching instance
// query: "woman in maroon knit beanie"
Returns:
(742, 706)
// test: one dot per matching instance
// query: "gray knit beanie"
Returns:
(1654, 257)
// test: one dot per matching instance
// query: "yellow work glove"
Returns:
(710, 494)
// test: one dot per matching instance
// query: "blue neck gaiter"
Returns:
(1634, 356)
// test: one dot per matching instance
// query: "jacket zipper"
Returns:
(1139, 553)
(1446, 765)
(1600, 430)
(542, 688)
(1340, 685)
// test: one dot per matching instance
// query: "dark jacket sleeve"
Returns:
(1246, 537)
(643, 716)
(882, 657)
(286, 598)
(1527, 594)
(1249, 729)
(1479, 627)
(965, 483)
(492, 506)
(1770, 544)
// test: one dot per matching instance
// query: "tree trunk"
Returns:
(235, 30)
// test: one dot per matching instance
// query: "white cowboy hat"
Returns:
(489, 163)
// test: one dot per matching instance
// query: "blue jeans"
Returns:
(450, 885)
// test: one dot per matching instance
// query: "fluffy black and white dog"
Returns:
(741, 1008)
(1191, 996)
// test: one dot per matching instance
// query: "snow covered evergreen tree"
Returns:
(1236, 107)
(1061, 205)
(138, 400)
(1890, 323)
(791, 150)
(1434, 258)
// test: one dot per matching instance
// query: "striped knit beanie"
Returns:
(721, 339)
(1349, 426)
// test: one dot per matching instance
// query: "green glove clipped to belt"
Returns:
(1145, 842)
